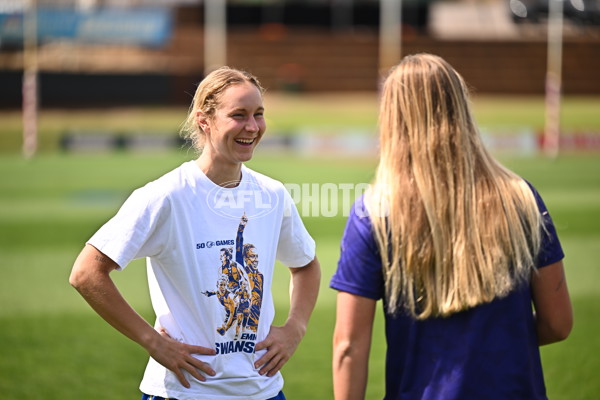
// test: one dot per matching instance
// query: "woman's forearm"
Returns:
(304, 289)
(352, 345)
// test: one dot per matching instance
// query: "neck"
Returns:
(228, 175)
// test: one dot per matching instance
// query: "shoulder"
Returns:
(538, 198)
(358, 232)
(359, 217)
(359, 265)
(159, 192)
(171, 182)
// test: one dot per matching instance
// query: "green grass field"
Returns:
(294, 114)
(52, 345)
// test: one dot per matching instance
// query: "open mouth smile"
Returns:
(245, 142)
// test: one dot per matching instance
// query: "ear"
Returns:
(202, 121)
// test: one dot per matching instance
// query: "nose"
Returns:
(252, 125)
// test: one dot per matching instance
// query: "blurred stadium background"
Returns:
(108, 53)
(92, 93)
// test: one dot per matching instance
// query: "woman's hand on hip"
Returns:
(178, 357)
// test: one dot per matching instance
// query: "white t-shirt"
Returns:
(210, 256)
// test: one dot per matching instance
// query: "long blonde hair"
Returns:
(455, 229)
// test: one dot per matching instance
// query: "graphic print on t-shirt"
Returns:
(239, 288)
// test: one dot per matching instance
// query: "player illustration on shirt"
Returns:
(239, 290)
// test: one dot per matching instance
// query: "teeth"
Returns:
(245, 141)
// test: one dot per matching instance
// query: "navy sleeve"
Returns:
(359, 268)
(550, 250)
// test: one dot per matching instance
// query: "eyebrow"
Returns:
(244, 110)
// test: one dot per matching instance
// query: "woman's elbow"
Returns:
(342, 352)
(89, 268)
(78, 277)
(346, 349)
(555, 332)
(84, 273)
(564, 329)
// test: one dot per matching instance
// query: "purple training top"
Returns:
(488, 352)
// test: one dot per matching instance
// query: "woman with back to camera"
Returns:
(210, 230)
(457, 246)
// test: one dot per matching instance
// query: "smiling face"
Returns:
(236, 127)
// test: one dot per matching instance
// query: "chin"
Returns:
(246, 157)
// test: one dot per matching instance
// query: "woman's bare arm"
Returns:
(352, 345)
(553, 310)
(91, 277)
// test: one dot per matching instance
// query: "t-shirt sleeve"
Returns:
(139, 229)
(359, 268)
(296, 248)
(550, 250)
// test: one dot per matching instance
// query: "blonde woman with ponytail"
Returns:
(458, 247)
(210, 262)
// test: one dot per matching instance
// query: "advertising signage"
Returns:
(143, 27)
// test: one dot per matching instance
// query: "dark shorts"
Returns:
(280, 396)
